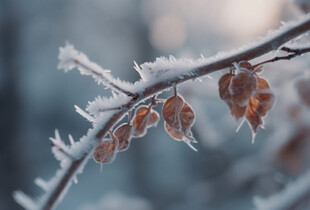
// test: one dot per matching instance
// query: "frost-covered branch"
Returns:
(155, 77)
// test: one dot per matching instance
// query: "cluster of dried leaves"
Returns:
(246, 94)
(144, 118)
(179, 118)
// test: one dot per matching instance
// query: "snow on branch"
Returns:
(70, 58)
(290, 198)
(156, 77)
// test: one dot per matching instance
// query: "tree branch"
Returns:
(146, 90)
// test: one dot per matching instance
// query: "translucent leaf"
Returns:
(224, 83)
(105, 153)
(171, 111)
(177, 135)
(242, 87)
(179, 118)
(237, 111)
(124, 134)
(264, 96)
(252, 116)
(144, 118)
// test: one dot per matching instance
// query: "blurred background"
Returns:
(156, 172)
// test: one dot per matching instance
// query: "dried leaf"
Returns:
(303, 90)
(144, 118)
(252, 116)
(105, 153)
(224, 83)
(187, 117)
(242, 87)
(179, 118)
(237, 111)
(123, 133)
(246, 65)
(171, 111)
(177, 135)
(264, 96)
(153, 118)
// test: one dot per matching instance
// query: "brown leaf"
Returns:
(237, 111)
(105, 153)
(303, 90)
(242, 87)
(264, 96)
(153, 118)
(177, 135)
(224, 83)
(187, 117)
(246, 65)
(252, 116)
(179, 118)
(124, 134)
(171, 111)
(144, 118)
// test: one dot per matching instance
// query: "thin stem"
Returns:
(292, 54)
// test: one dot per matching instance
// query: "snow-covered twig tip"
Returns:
(70, 58)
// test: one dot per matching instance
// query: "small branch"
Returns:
(292, 54)
(104, 78)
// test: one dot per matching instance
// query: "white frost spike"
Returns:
(24, 200)
(75, 180)
(72, 142)
(190, 145)
(137, 67)
(41, 183)
(253, 137)
(59, 149)
(84, 114)
(240, 125)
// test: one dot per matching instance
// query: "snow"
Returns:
(287, 197)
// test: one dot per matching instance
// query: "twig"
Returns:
(292, 54)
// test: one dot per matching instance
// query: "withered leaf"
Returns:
(264, 96)
(177, 135)
(144, 118)
(252, 115)
(179, 118)
(124, 134)
(303, 90)
(224, 83)
(105, 153)
(171, 111)
(236, 110)
(242, 87)
(246, 65)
